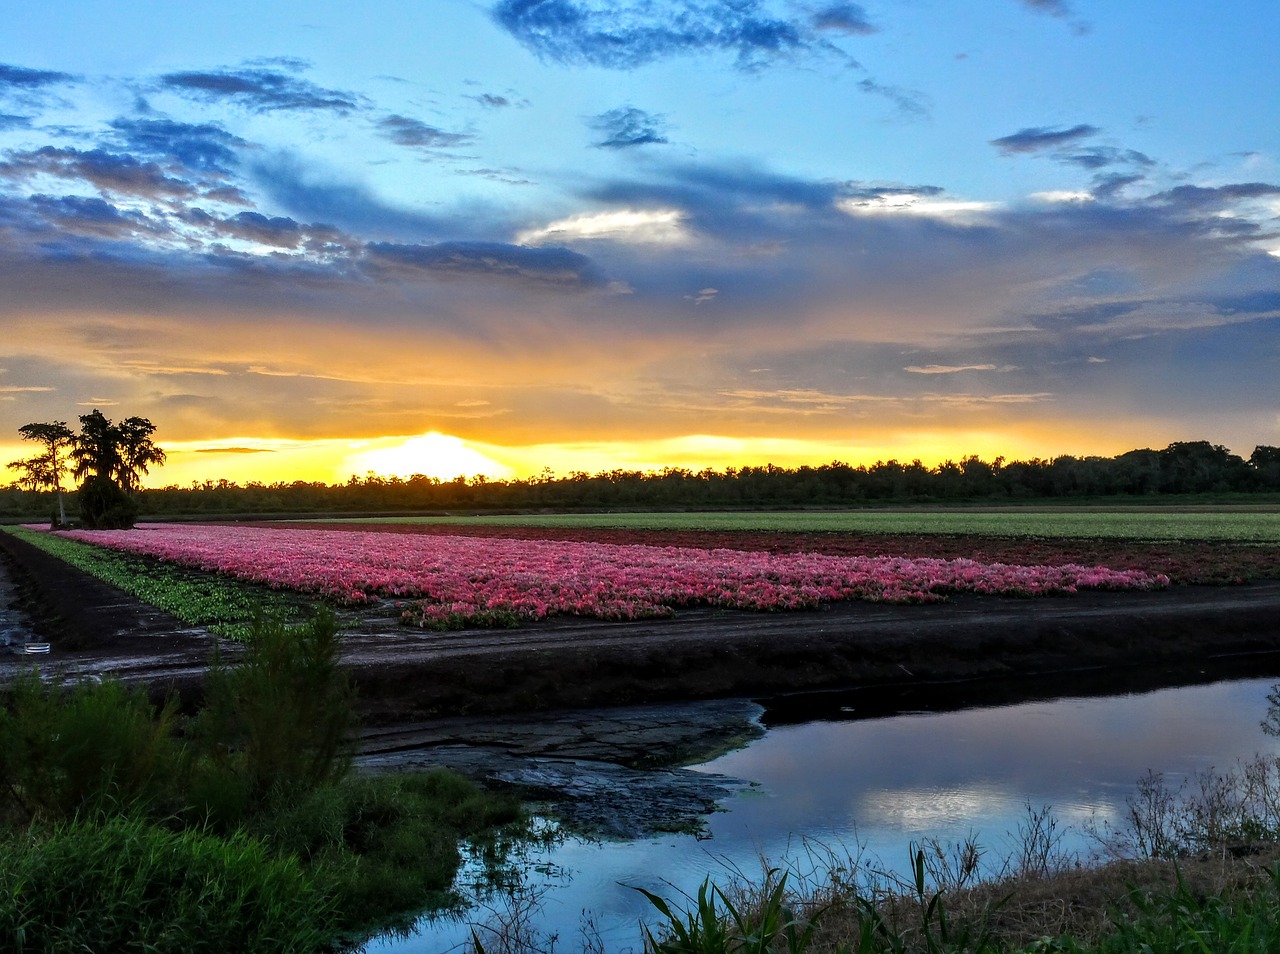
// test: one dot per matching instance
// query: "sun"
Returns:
(442, 456)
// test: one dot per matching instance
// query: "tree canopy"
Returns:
(108, 459)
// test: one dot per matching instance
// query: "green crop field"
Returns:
(1260, 526)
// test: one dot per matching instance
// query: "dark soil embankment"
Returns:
(699, 654)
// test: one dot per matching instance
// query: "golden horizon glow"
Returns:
(446, 456)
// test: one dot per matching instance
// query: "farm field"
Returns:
(1251, 525)
(458, 581)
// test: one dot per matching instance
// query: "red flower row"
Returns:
(460, 579)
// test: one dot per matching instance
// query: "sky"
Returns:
(311, 240)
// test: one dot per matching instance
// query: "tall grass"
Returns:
(128, 886)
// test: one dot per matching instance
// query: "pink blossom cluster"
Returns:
(459, 578)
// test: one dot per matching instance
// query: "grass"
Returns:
(1251, 526)
(126, 827)
(226, 606)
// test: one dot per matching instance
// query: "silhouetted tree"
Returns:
(110, 459)
(45, 470)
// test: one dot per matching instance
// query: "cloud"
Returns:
(1060, 9)
(202, 147)
(21, 78)
(630, 34)
(542, 266)
(492, 100)
(628, 126)
(303, 193)
(9, 121)
(234, 450)
(1216, 197)
(911, 103)
(1099, 157)
(260, 90)
(416, 134)
(957, 368)
(1040, 138)
(111, 172)
(844, 18)
(1054, 8)
(660, 226)
(254, 227)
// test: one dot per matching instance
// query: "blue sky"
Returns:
(310, 239)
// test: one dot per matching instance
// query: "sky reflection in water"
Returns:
(883, 783)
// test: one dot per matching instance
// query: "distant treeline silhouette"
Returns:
(1191, 467)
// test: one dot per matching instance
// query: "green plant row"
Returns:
(224, 605)
(1250, 526)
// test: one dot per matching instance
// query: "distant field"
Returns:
(1246, 526)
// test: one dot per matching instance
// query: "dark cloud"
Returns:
(21, 78)
(260, 90)
(1108, 186)
(276, 231)
(1210, 198)
(844, 18)
(204, 147)
(104, 170)
(74, 215)
(404, 131)
(628, 126)
(631, 34)
(908, 102)
(543, 266)
(492, 100)
(1060, 9)
(1055, 8)
(1099, 157)
(9, 121)
(1040, 138)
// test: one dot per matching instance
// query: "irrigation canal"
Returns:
(862, 776)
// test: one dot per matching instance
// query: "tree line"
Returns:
(1191, 467)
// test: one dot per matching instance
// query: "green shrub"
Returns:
(126, 886)
(386, 846)
(105, 506)
(86, 749)
(279, 723)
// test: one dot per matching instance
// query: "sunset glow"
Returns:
(506, 238)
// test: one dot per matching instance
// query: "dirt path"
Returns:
(409, 674)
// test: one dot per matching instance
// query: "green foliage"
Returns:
(85, 750)
(227, 606)
(127, 886)
(770, 925)
(278, 723)
(105, 506)
(389, 845)
(1179, 921)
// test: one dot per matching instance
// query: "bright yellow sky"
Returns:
(446, 456)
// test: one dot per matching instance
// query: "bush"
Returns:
(389, 845)
(105, 506)
(86, 749)
(127, 886)
(277, 725)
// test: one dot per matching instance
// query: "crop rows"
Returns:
(458, 580)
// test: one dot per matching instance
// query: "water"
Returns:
(871, 787)
(15, 628)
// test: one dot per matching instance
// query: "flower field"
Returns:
(461, 580)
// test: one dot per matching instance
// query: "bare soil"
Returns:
(407, 675)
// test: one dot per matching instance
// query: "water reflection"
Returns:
(875, 785)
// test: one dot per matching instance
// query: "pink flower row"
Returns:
(463, 578)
